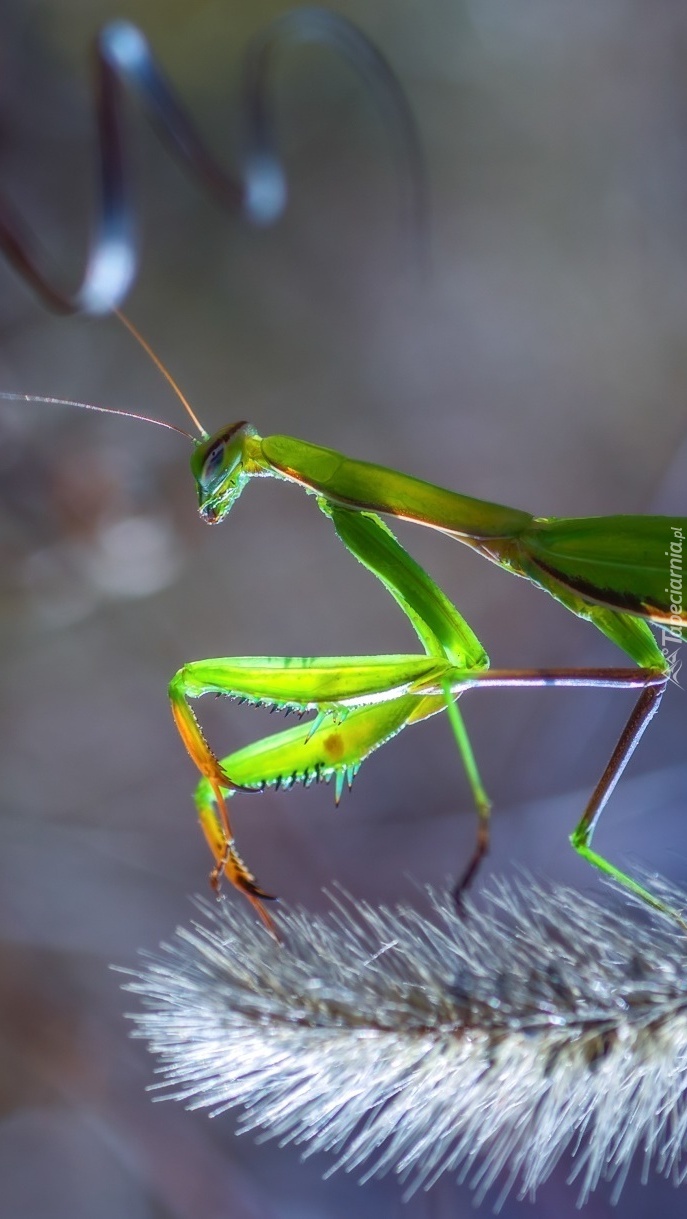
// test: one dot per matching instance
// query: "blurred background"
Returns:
(540, 363)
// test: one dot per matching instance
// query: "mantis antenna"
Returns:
(109, 410)
(90, 406)
(136, 334)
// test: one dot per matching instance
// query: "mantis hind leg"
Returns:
(652, 683)
(636, 639)
(581, 838)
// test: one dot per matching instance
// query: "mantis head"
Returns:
(220, 466)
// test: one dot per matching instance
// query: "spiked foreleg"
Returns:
(329, 685)
(333, 751)
(361, 701)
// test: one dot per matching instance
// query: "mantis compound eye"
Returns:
(213, 463)
(218, 466)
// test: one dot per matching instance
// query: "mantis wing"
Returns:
(630, 563)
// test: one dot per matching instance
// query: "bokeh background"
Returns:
(541, 363)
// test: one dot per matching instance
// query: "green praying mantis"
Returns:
(613, 571)
(620, 573)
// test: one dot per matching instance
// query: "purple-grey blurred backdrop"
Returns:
(542, 363)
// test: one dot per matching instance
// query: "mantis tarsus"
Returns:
(614, 571)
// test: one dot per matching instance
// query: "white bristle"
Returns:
(483, 1044)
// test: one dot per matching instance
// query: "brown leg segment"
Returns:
(217, 827)
(653, 683)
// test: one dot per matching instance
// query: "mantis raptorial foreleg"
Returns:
(362, 701)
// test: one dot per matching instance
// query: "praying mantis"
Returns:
(612, 571)
(620, 573)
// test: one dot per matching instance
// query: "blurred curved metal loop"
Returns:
(256, 189)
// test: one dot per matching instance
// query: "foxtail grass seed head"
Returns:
(483, 1045)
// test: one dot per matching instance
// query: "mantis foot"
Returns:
(231, 865)
(481, 849)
